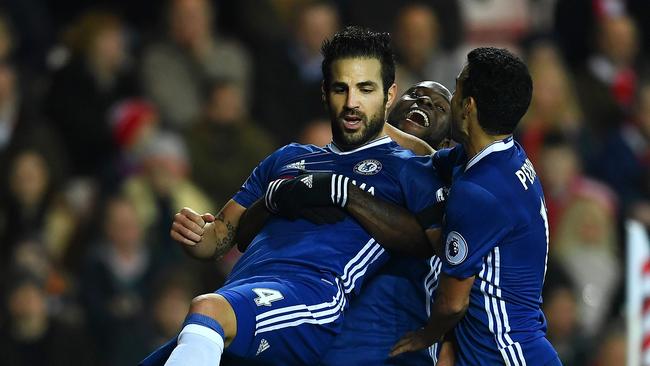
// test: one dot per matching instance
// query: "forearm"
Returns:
(217, 240)
(450, 305)
(214, 239)
(394, 227)
(443, 319)
(250, 224)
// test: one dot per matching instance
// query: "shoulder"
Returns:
(472, 193)
(296, 148)
(293, 152)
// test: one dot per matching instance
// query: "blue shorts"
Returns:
(392, 303)
(284, 322)
(279, 321)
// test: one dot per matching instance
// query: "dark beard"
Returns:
(350, 141)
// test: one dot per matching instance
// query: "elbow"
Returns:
(199, 252)
(454, 309)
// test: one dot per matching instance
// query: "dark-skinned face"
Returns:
(424, 111)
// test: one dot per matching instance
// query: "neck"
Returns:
(348, 147)
(479, 140)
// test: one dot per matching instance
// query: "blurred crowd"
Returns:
(116, 114)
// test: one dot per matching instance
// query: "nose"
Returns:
(352, 100)
(424, 100)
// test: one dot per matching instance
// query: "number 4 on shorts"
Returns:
(266, 296)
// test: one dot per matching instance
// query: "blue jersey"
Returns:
(395, 301)
(496, 229)
(342, 253)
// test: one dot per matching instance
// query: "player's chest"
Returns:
(374, 174)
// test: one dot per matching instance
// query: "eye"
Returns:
(367, 90)
(440, 108)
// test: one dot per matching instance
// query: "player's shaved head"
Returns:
(424, 110)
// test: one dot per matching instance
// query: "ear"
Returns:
(469, 107)
(323, 95)
(392, 92)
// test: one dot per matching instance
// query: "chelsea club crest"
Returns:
(368, 167)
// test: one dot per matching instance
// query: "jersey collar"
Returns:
(499, 145)
(370, 144)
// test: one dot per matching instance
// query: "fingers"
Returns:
(187, 227)
(208, 217)
(193, 216)
(179, 238)
(406, 344)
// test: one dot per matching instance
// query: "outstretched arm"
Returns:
(394, 227)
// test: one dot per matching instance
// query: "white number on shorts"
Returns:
(266, 296)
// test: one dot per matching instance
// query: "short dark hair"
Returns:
(502, 87)
(355, 41)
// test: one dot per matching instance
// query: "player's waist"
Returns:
(497, 350)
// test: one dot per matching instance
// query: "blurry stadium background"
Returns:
(115, 114)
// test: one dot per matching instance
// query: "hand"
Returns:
(187, 227)
(412, 341)
(447, 355)
(290, 197)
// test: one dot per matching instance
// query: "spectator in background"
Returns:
(554, 108)
(419, 53)
(586, 245)
(174, 290)
(114, 285)
(624, 162)
(224, 144)
(97, 75)
(561, 173)
(175, 68)
(6, 40)
(607, 85)
(450, 17)
(31, 256)
(20, 126)
(317, 132)
(161, 189)
(133, 123)
(33, 207)
(612, 348)
(292, 70)
(561, 311)
(32, 336)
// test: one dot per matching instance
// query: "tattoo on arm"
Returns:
(225, 241)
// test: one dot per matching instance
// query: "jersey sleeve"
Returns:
(421, 186)
(255, 186)
(475, 223)
(444, 161)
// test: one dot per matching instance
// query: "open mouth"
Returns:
(352, 122)
(418, 117)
